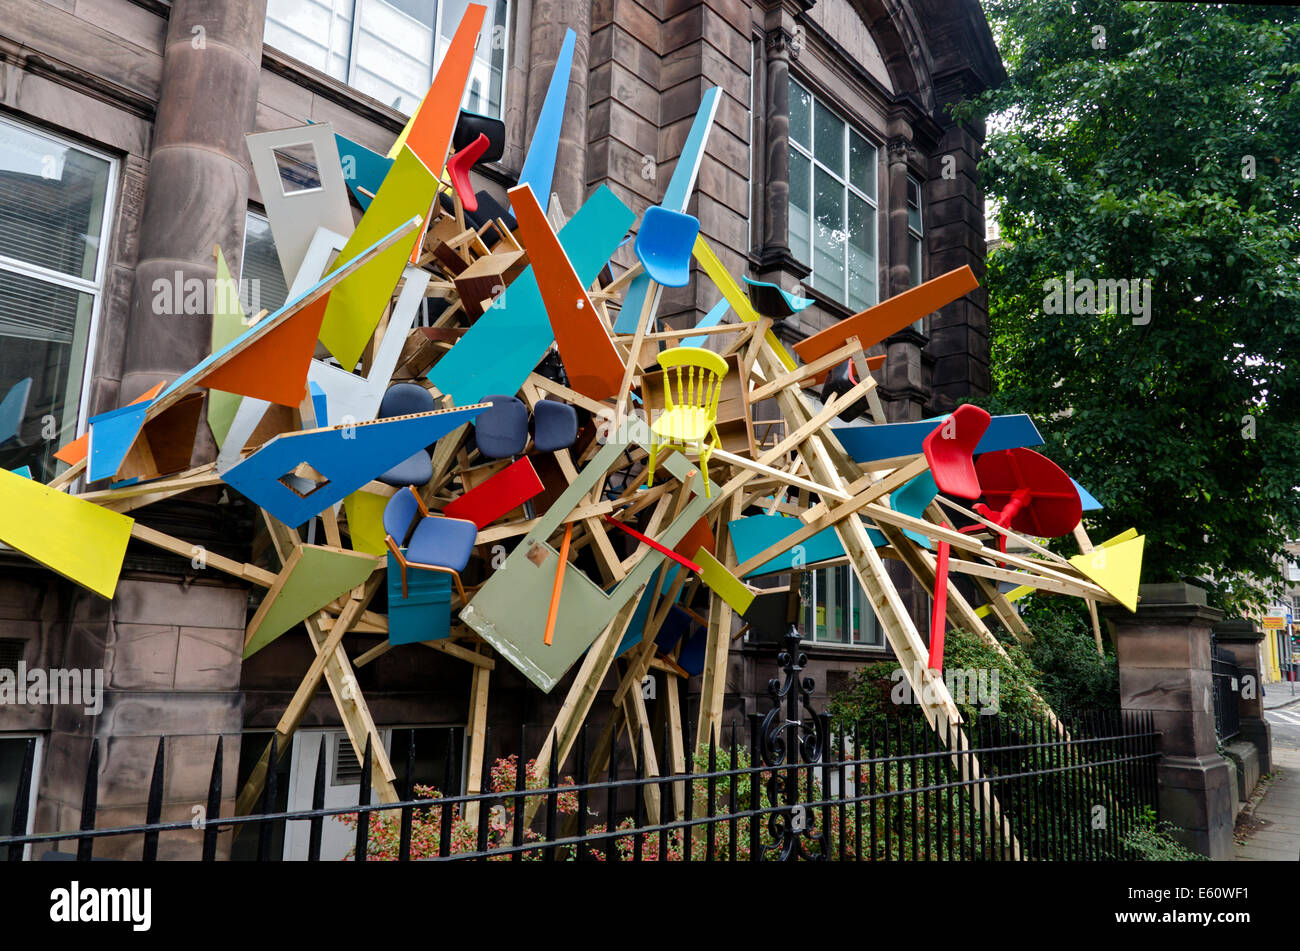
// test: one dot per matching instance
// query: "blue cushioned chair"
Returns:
(436, 543)
(501, 431)
(403, 399)
(555, 426)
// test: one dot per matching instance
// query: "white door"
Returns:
(342, 788)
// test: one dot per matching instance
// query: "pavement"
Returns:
(1269, 829)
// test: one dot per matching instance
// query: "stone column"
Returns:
(1241, 638)
(1163, 651)
(550, 20)
(197, 190)
(902, 381)
(776, 124)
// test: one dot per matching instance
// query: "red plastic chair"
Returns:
(949, 450)
(1028, 492)
(458, 167)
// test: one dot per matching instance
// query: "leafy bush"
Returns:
(1071, 676)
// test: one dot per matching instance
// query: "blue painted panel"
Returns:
(348, 456)
(539, 164)
(13, 408)
(637, 626)
(711, 319)
(1090, 504)
(871, 442)
(509, 340)
(111, 436)
(24, 471)
(425, 613)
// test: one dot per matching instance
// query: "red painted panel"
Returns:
(504, 492)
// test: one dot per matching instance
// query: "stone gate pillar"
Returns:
(1163, 651)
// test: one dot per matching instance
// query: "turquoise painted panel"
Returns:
(362, 168)
(758, 532)
(509, 340)
(425, 613)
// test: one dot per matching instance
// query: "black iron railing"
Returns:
(1227, 685)
(1003, 788)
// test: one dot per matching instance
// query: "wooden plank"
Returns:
(713, 687)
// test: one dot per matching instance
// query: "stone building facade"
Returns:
(833, 168)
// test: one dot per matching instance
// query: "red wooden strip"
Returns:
(504, 492)
(684, 562)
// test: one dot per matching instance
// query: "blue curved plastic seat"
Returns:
(772, 300)
(403, 399)
(415, 470)
(913, 499)
(502, 430)
(664, 244)
(555, 426)
(446, 542)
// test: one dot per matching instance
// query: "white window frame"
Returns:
(31, 793)
(808, 153)
(95, 288)
(854, 607)
(435, 59)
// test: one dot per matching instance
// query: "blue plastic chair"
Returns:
(555, 426)
(913, 499)
(437, 543)
(664, 244)
(772, 300)
(501, 431)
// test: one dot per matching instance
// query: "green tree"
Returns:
(1155, 141)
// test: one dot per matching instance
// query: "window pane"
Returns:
(867, 628)
(862, 254)
(484, 93)
(318, 32)
(43, 333)
(862, 165)
(800, 207)
(51, 202)
(828, 131)
(800, 115)
(261, 280)
(828, 235)
(393, 56)
(836, 602)
(914, 259)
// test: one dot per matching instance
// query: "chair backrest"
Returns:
(949, 448)
(664, 244)
(692, 379)
(402, 399)
(502, 430)
(399, 514)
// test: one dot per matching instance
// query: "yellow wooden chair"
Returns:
(690, 418)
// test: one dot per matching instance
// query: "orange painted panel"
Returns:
(876, 323)
(593, 365)
(274, 366)
(75, 451)
(435, 121)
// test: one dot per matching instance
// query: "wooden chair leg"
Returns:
(654, 452)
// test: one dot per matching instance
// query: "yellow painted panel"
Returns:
(722, 582)
(735, 296)
(1116, 566)
(227, 324)
(79, 540)
(358, 301)
(365, 512)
